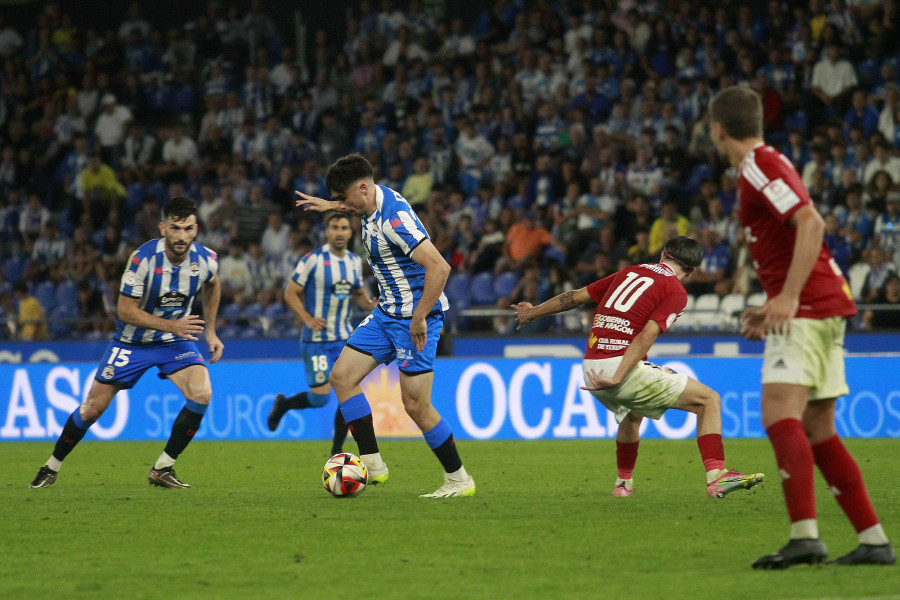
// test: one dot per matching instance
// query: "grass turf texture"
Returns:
(258, 524)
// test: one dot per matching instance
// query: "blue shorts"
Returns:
(385, 338)
(319, 358)
(123, 364)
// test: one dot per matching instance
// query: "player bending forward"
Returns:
(633, 307)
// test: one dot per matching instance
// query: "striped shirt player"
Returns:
(155, 328)
(406, 326)
(328, 281)
(163, 289)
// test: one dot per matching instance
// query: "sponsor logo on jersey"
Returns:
(173, 300)
(342, 289)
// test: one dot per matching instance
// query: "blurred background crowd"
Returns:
(545, 144)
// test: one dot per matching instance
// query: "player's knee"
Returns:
(202, 395)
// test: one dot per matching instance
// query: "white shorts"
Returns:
(812, 355)
(649, 389)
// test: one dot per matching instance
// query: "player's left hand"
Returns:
(599, 382)
(216, 347)
(418, 331)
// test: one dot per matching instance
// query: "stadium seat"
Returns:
(482, 289)
(14, 269)
(45, 292)
(505, 283)
(229, 332)
(757, 299)
(707, 302)
(67, 294)
(690, 303)
(274, 311)
(231, 311)
(61, 322)
(732, 304)
(457, 288)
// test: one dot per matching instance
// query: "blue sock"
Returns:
(355, 407)
(195, 407)
(79, 422)
(438, 434)
(316, 400)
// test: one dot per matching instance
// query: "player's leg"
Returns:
(782, 407)
(195, 385)
(846, 483)
(318, 358)
(339, 435)
(628, 438)
(415, 390)
(96, 402)
(351, 368)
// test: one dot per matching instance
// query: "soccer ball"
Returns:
(345, 475)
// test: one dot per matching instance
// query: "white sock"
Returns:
(373, 461)
(164, 461)
(874, 535)
(629, 483)
(714, 474)
(805, 529)
(54, 463)
(458, 475)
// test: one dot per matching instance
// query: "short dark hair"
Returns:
(739, 111)
(335, 215)
(685, 251)
(180, 207)
(346, 171)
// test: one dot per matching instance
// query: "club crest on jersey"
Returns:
(108, 372)
(173, 300)
(129, 278)
(195, 269)
(341, 289)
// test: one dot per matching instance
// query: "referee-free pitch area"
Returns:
(543, 524)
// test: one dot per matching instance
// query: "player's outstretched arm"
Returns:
(307, 202)
(633, 355)
(187, 327)
(526, 312)
(212, 296)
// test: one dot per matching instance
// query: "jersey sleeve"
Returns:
(212, 263)
(405, 230)
(357, 278)
(134, 277)
(598, 288)
(781, 190)
(304, 269)
(670, 307)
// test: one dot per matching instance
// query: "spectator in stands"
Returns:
(275, 237)
(32, 321)
(880, 269)
(417, 187)
(889, 295)
(101, 191)
(876, 192)
(668, 217)
(179, 152)
(882, 161)
(234, 269)
(833, 78)
(525, 242)
(110, 129)
(251, 218)
(33, 218)
(527, 289)
(712, 276)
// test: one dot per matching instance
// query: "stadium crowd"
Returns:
(544, 145)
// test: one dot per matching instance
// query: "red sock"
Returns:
(846, 482)
(712, 451)
(795, 463)
(626, 456)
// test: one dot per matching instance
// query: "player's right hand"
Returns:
(315, 323)
(522, 309)
(188, 327)
(307, 202)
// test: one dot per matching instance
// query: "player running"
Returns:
(634, 306)
(155, 328)
(803, 322)
(319, 292)
(411, 274)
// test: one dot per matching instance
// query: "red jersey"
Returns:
(627, 301)
(769, 192)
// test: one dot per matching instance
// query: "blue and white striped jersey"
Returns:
(164, 290)
(390, 234)
(328, 284)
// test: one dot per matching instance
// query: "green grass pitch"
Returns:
(543, 525)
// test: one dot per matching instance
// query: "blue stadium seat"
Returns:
(274, 311)
(229, 332)
(457, 288)
(67, 294)
(231, 311)
(45, 292)
(14, 269)
(505, 283)
(482, 289)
